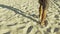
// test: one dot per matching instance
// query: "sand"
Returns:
(22, 17)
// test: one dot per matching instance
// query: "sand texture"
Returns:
(22, 17)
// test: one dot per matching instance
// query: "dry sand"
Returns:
(21, 17)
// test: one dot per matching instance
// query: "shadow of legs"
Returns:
(17, 11)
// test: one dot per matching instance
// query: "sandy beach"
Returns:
(22, 17)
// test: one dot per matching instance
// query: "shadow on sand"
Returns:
(17, 11)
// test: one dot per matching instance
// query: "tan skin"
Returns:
(42, 11)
